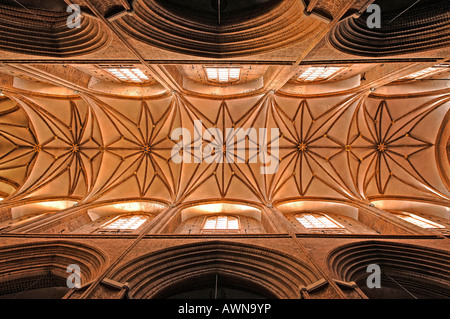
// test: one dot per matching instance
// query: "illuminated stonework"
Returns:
(356, 126)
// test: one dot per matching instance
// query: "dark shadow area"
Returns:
(214, 287)
(46, 286)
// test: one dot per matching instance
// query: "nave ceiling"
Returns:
(71, 129)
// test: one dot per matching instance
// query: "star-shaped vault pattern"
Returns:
(94, 148)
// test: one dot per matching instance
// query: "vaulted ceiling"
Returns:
(70, 129)
(347, 147)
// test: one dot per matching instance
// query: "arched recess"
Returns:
(105, 213)
(192, 219)
(46, 33)
(44, 265)
(403, 29)
(264, 271)
(21, 214)
(215, 285)
(78, 218)
(426, 211)
(407, 271)
(350, 218)
(256, 27)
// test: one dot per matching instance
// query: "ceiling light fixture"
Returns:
(318, 73)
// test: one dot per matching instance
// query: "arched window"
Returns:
(317, 221)
(320, 224)
(418, 221)
(221, 223)
(125, 222)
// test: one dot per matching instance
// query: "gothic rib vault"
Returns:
(349, 147)
(82, 143)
